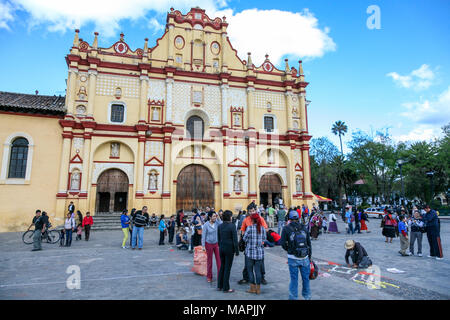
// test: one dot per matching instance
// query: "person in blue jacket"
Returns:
(432, 228)
(162, 227)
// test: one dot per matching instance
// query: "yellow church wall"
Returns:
(18, 202)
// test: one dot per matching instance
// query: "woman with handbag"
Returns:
(332, 226)
(162, 230)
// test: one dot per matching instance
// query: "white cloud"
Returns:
(434, 112)
(6, 15)
(420, 133)
(418, 79)
(65, 15)
(277, 33)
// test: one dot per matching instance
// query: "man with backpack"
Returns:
(296, 241)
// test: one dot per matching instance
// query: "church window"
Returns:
(18, 158)
(117, 113)
(195, 127)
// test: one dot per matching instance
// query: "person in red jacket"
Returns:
(87, 224)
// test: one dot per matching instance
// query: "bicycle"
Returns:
(52, 236)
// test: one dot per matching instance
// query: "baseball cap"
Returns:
(293, 214)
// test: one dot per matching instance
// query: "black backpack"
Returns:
(298, 239)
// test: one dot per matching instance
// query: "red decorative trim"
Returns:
(273, 167)
(238, 163)
(114, 157)
(160, 163)
(83, 195)
(165, 195)
(113, 162)
(61, 195)
(31, 114)
(76, 159)
(204, 21)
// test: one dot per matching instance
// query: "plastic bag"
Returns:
(200, 259)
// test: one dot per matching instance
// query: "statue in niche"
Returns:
(155, 114)
(153, 180)
(298, 184)
(197, 152)
(115, 149)
(294, 112)
(270, 156)
(237, 182)
(75, 181)
(237, 119)
(295, 125)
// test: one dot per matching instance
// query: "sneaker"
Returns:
(430, 257)
(437, 258)
(419, 254)
(242, 281)
(125, 247)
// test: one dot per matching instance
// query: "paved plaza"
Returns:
(162, 272)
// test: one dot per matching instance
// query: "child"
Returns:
(61, 238)
(182, 240)
(324, 224)
(403, 232)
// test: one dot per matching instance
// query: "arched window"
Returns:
(18, 158)
(195, 127)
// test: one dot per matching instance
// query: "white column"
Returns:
(91, 93)
(70, 94)
(143, 101)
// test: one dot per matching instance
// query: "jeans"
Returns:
(415, 235)
(68, 237)
(294, 266)
(87, 231)
(245, 275)
(350, 228)
(37, 238)
(404, 244)
(171, 235)
(139, 233)
(254, 270)
(161, 237)
(212, 249)
(226, 261)
(269, 244)
(280, 227)
(357, 227)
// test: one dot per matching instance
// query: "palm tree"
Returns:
(339, 128)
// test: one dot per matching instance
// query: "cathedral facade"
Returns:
(183, 124)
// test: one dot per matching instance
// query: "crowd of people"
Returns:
(223, 236)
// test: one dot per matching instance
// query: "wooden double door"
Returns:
(270, 188)
(195, 188)
(112, 191)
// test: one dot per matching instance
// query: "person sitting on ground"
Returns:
(358, 254)
(182, 239)
(153, 220)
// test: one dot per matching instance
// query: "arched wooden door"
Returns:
(269, 189)
(112, 191)
(195, 188)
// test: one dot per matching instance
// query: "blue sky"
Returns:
(395, 78)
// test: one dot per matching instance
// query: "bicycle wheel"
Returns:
(53, 236)
(28, 237)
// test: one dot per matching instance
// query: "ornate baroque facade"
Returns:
(184, 123)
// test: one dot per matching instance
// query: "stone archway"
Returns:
(112, 191)
(270, 188)
(195, 188)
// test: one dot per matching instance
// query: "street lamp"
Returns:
(400, 163)
(431, 174)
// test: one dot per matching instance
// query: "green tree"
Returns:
(339, 128)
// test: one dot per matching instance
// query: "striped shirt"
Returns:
(254, 248)
(140, 220)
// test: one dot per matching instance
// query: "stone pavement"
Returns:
(162, 272)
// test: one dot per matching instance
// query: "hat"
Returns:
(293, 215)
(349, 244)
